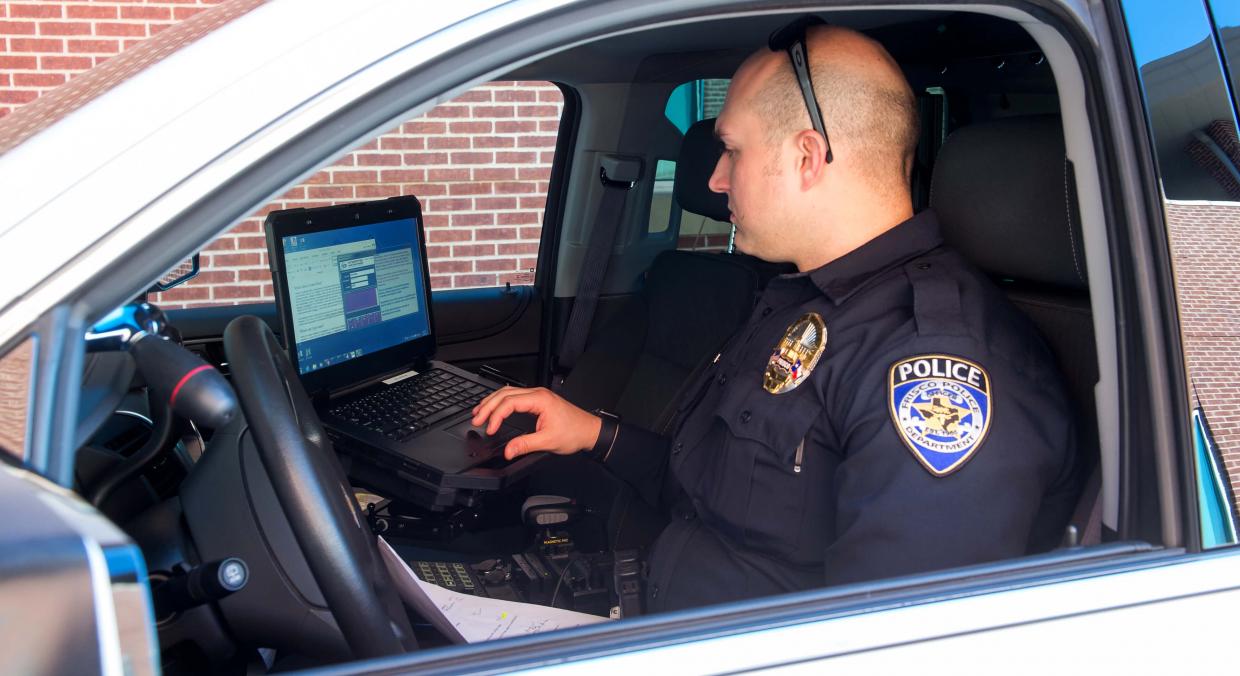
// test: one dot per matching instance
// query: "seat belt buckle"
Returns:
(627, 581)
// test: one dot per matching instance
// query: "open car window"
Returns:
(480, 164)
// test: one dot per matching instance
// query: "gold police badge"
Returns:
(796, 355)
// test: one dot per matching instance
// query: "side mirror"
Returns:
(183, 272)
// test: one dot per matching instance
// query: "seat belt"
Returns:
(1085, 528)
(618, 174)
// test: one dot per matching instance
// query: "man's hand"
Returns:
(562, 428)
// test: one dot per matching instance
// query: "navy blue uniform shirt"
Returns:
(818, 485)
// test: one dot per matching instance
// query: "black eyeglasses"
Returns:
(791, 38)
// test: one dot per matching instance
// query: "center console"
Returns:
(553, 570)
(575, 581)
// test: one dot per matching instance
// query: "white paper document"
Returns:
(464, 618)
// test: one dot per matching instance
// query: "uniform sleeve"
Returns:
(896, 516)
(639, 457)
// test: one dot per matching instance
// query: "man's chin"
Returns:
(745, 246)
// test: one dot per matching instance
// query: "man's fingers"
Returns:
(517, 402)
(488, 403)
(526, 443)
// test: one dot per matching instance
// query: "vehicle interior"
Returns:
(988, 88)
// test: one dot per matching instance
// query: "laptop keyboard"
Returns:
(414, 404)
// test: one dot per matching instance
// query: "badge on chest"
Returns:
(796, 355)
(941, 408)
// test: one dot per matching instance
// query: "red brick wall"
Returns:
(479, 163)
(44, 44)
(1205, 246)
(14, 396)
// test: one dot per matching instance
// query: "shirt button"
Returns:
(767, 311)
(923, 266)
(723, 379)
(745, 416)
(676, 449)
(654, 591)
(689, 516)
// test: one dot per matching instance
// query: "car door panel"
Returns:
(496, 327)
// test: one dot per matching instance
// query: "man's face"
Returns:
(749, 172)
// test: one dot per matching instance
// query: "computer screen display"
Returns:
(354, 291)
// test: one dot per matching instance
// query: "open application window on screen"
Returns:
(354, 291)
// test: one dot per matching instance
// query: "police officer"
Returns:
(885, 410)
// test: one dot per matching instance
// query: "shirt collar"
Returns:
(845, 275)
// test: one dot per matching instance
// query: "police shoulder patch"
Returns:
(941, 407)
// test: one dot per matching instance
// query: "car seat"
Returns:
(690, 303)
(637, 363)
(1006, 199)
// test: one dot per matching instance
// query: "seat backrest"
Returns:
(1005, 196)
(699, 152)
(691, 302)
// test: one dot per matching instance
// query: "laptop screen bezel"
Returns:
(301, 221)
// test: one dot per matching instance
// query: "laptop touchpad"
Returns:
(465, 430)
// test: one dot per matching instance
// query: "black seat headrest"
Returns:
(699, 152)
(1006, 199)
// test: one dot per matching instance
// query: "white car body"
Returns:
(114, 177)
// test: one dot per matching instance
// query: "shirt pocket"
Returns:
(766, 480)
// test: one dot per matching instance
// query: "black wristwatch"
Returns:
(606, 435)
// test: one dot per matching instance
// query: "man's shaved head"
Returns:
(867, 105)
(786, 202)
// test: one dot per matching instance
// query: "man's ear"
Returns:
(811, 157)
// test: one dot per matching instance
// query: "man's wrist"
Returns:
(607, 433)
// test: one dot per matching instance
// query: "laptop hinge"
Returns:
(388, 377)
(319, 398)
(350, 389)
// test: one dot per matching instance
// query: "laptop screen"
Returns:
(354, 291)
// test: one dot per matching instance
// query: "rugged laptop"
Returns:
(353, 292)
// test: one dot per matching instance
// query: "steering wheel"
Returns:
(314, 493)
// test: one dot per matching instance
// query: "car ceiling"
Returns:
(714, 49)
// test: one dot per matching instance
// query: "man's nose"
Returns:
(719, 177)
